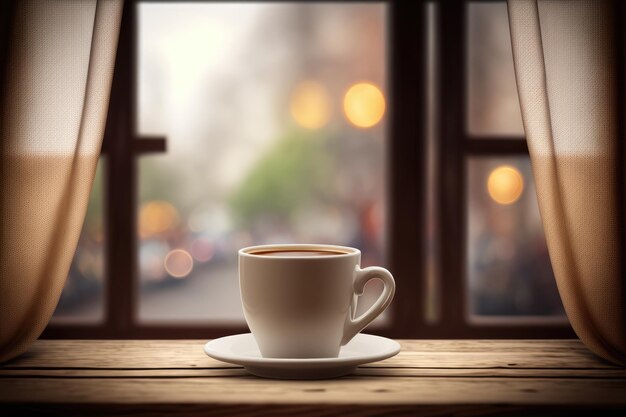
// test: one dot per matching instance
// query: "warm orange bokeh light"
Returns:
(364, 105)
(310, 105)
(157, 217)
(505, 185)
(178, 263)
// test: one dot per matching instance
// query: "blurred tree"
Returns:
(293, 173)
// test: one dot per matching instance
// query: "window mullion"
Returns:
(121, 184)
(407, 39)
(451, 29)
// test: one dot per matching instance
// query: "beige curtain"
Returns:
(57, 71)
(569, 78)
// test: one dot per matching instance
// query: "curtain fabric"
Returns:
(57, 69)
(568, 64)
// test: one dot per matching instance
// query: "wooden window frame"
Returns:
(406, 132)
(456, 146)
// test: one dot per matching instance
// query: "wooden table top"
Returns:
(471, 377)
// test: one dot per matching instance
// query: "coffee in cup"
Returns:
(299, 300)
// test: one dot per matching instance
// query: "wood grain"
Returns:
(164, 354)
(307, 410)
(430, 377)
(347, 390)
(361, 371)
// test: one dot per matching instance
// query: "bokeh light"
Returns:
(505, 185)
(178, 263)
(202, 249)
(157, 217)
(310, 105)
(364, 105)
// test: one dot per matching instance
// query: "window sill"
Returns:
(433, 376)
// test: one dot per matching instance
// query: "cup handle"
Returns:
(355, 325)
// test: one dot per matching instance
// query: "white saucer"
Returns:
(242, 350)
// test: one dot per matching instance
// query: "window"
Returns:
(496, 278)
(254, 100)
(231, 124)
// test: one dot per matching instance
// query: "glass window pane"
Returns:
(274, 117)
(82, 300)
(508, 267)
(492, 102)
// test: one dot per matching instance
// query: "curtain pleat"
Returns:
(57, 73)
(569, 76)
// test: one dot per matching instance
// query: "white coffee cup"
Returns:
(299, 300)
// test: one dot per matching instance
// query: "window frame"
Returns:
(406, 163)
(122, 147)
(456, 146)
